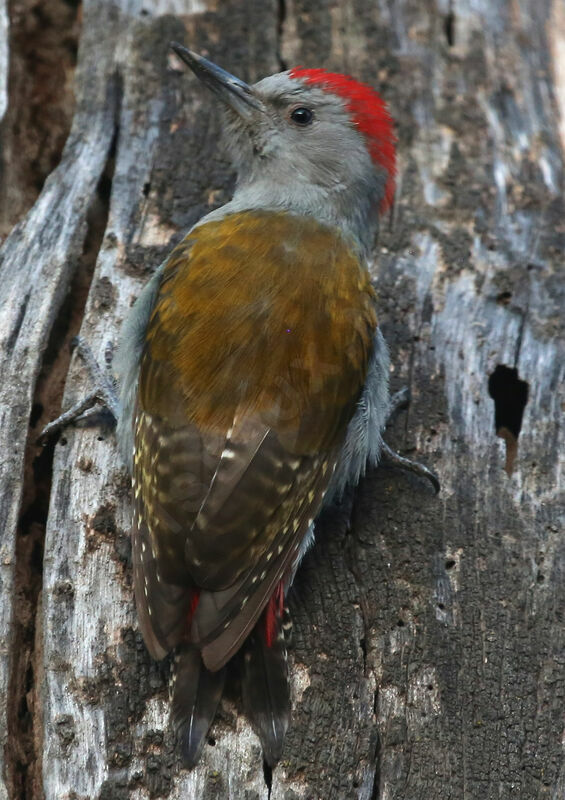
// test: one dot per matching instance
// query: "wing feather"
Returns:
(237, 434)
(162, 609)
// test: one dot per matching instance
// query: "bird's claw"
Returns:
(399, 401)
(396, 460)
(102, 396)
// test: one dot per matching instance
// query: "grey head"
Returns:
(305, 141)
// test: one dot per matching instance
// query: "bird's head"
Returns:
(307, 139)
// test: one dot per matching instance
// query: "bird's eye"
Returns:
(302, 116)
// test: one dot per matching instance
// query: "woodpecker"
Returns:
(254, 385)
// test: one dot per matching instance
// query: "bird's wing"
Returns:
(162, 608)
(167, 463)
(254, 536)
(255, 357)
(226, 523)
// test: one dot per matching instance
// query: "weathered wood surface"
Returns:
(429, 648)
(4, 55)
(6, 583)
(36, 268)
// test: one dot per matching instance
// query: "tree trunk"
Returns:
(428, 651)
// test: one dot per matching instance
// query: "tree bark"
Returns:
(428, 650)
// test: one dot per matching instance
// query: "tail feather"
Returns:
(266, 691)
(196, 693)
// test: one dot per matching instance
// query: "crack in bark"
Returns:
(449, 26)
(12, 339)
(520, 337)
(23, 758)
(43, 50)
(359, 583)
(268, 778)
(283, 66)
(376, 760)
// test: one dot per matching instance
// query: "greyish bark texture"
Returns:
(429, 641)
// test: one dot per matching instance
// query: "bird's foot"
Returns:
(103, 395)
(398, 401)
(396, 460)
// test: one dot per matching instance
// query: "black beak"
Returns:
(231, 90)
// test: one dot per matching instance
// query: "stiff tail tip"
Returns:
(266, 690)
(196, 693)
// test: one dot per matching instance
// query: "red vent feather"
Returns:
(370, 115)
(273, 614)
(194, 598)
